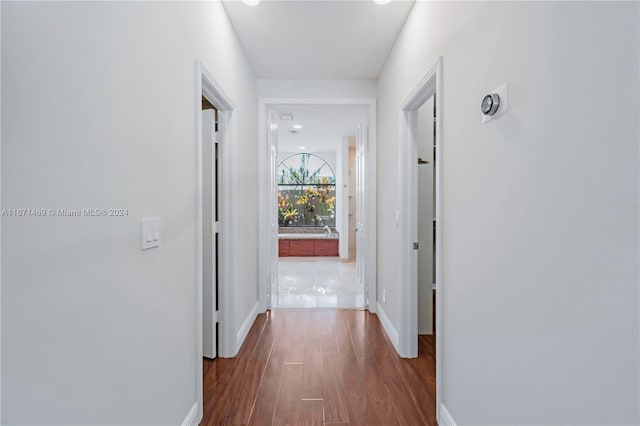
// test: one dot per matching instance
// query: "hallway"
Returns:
(110, 171)
(314, 367)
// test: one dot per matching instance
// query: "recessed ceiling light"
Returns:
(251, 2)
(381, 1)
(302, 147)
(297, 126)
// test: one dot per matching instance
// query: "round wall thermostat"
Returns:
(490, 104)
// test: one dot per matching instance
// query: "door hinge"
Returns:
(216, 316)
(415, 246)
(216, 227)
(216, 137)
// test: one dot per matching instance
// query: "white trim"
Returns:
(371, 161)
(0, 234)
(444, 417)
(264, 268)
(191, 420)
(429, 85)
(206, 85)
(267, 265)
(389, 328)
(639, 212)
(342, 194)
(439, 227)
(246, 325)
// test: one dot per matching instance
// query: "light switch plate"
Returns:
(150, 234)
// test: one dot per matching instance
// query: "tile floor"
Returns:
(317, 282)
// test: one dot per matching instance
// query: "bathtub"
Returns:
(307, 245)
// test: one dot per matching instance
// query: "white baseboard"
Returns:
(191, 419)
(246, 326)
(444, 418)
(389, 328)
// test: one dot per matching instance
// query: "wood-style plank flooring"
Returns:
(320, 367)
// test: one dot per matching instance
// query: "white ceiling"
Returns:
(323, 126)
(318, 39)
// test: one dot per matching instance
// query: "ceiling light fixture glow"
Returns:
(297, 126)
(302, 147)
(381, 2)
(251, 2)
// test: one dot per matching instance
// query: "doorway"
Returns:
(326, 247)
(210, 217)
(317, 193)
(429, 89)
(213, 112)
(426, 150)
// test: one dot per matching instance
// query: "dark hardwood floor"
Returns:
(316, 367)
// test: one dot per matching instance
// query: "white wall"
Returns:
(316, 89)
(98, 103)
(540, 225)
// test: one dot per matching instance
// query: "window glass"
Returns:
(306, 192)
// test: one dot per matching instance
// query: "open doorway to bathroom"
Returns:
(316, 178)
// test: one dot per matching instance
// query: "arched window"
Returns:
(306, 192)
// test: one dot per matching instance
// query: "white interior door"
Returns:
(361, 203)
(272, 140)
(209, 269)
(426, 216)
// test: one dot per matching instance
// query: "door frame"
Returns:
(264, 255)
(362, 132)
(206, 85)
(429, 85)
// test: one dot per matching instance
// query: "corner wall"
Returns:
(98, 112)
(540, 214)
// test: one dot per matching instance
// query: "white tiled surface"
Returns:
(317, 282)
